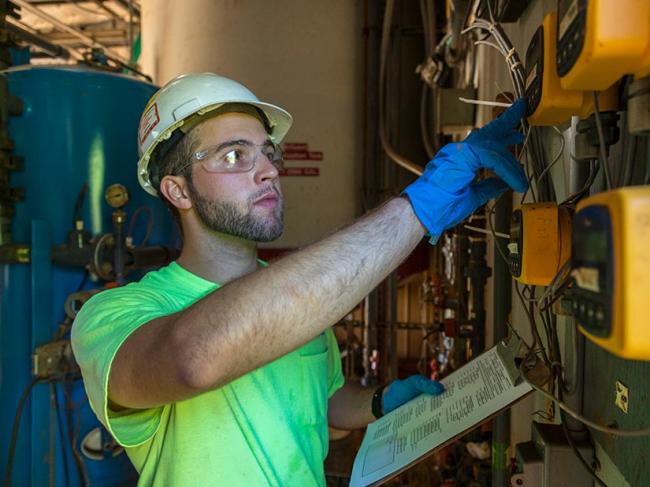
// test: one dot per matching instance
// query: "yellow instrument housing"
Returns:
(553, 105)
(549, 103)
(614, 35)
(627, 333)
(540, 242)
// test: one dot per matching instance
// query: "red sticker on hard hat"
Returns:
(148, 122)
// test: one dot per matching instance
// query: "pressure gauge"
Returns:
(116, 195)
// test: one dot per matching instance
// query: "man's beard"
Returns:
(226, 217)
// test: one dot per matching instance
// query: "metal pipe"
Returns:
(383, 136)
(502, 304)
(86, 40)
(53, 50)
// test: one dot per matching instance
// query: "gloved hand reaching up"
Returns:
(446, 193)
(402, 391)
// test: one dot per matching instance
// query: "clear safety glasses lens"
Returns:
(238, 157)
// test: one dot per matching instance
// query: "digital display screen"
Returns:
(592, 247)
(563, 6)
(568, 11)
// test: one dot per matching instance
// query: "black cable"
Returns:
(537, 340)
(573, 198)
(84, 280)
(51, 453)
(555, 348)
(569, 439)
(150, 222)
(15, 427)
(64, 446)
(601, 143)
(72, 435)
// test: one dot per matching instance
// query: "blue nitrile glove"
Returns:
(446, 193)
(402, 391)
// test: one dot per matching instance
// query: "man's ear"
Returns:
(174, 188)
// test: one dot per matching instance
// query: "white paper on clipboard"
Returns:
(475, 392)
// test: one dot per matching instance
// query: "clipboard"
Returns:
(475, 393)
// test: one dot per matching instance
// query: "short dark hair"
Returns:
(174, 160)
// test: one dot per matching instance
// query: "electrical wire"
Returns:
(573, 198)
(72, 432)
(535, 154)
(489, 103)
(555, 159)
(563, 421)
(50, 451)
(63, 445)
(427, 12)
(150, 224)
(601, 143)
(587, 422)
(15, 427)
(486, 232)
(569, 439)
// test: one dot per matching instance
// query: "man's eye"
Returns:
(232, 157)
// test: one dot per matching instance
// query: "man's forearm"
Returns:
(351, 407)
(264, 315)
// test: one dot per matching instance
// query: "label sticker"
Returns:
(587, 278)
(150, 119)
(299, 151)
(300, 171)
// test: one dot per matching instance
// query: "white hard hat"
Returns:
(196, 94)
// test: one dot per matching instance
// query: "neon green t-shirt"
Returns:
(269, 427)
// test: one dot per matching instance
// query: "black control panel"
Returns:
(535, 70)
(516, 239)
(571, 29)
(593, 270)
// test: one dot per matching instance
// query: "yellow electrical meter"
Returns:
(611, 270)
(599, 41)
(548, 103)
(540, 242)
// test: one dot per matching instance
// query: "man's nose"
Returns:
(265, 169)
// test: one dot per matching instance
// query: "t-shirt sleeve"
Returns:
(335, 379)
(101, 327)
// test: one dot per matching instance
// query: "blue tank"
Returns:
(78, 127)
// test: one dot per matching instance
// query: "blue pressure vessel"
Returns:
(78, 127)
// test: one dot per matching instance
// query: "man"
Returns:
(219, 370)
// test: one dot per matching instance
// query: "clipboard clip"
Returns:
(511, 354)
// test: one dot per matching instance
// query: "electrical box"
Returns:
(599, 41)
(540, 242)
(610, 270)
(548, 102)
(549, 461)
